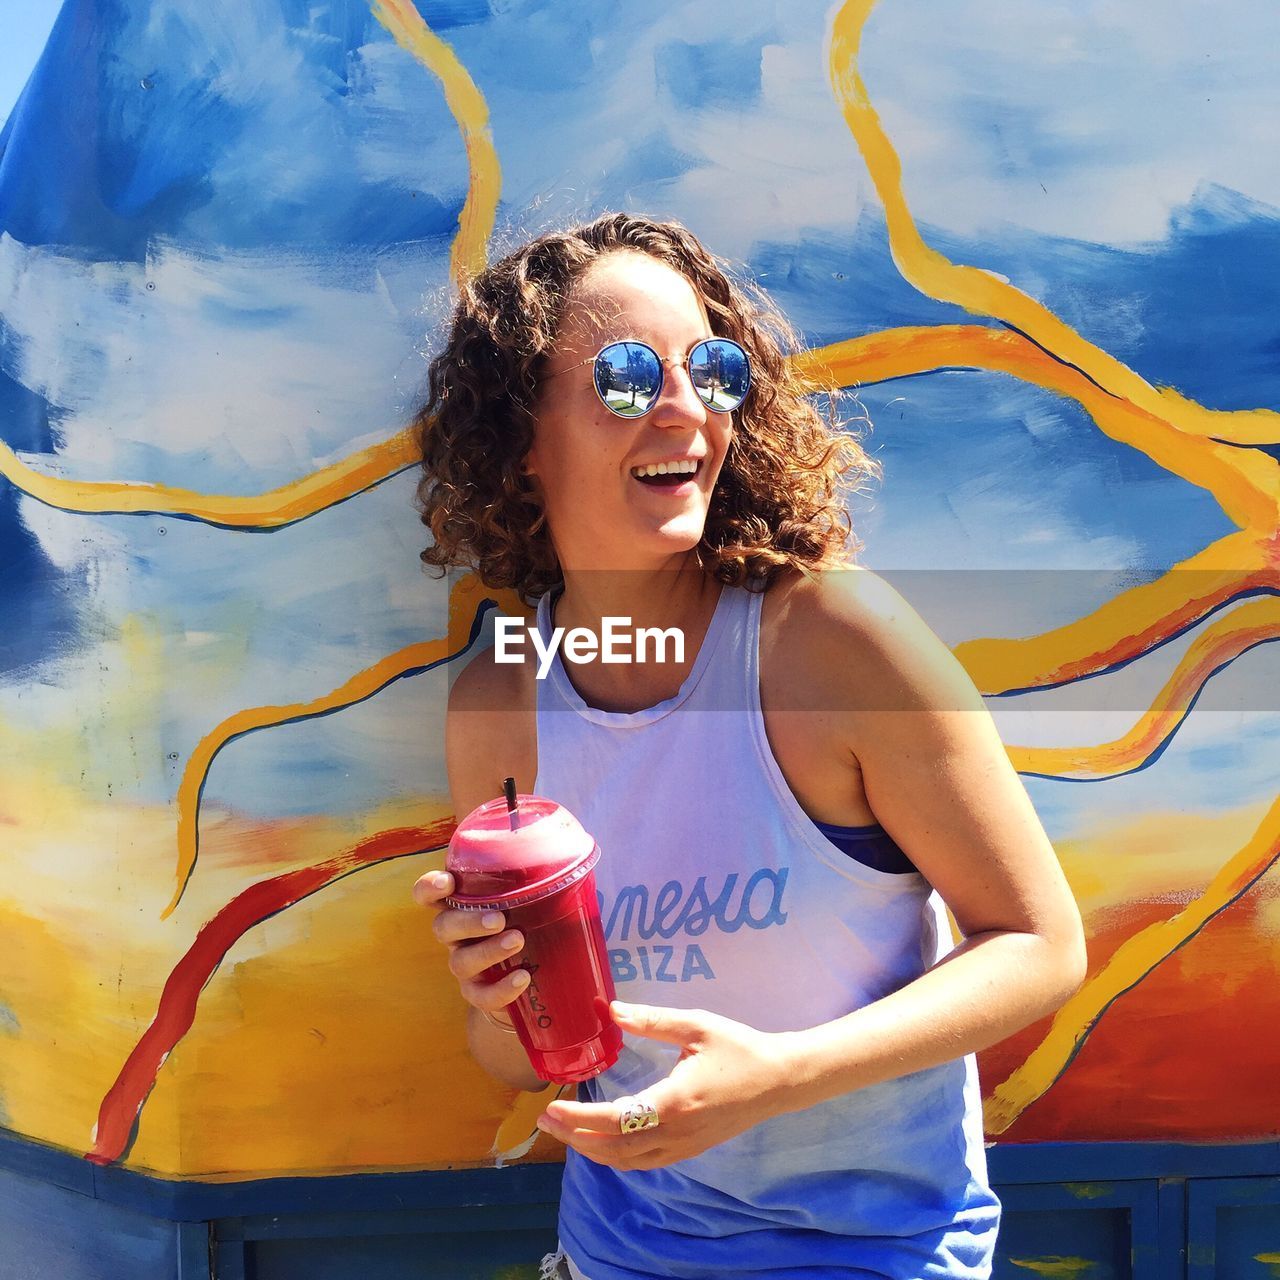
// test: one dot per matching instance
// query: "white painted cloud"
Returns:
(789, 165)
(577, 101)
(159, 368)
(1090, 120)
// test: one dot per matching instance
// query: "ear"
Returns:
(531, 463)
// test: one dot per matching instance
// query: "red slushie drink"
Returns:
(535, 863)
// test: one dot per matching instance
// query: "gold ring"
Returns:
(636, 1115)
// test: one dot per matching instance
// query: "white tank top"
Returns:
(719, 892)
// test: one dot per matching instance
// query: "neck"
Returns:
(675, 594)
(682, 595)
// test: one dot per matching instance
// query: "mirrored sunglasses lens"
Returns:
(628, 378)
(720, 372)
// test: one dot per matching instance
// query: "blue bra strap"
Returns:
(873, 846)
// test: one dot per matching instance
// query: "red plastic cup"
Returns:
(542, 876)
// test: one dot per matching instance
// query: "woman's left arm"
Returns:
(940, 782)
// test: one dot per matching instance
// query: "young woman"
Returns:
(784, 812)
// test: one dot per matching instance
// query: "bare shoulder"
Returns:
(855, 631)
(490, 730)
(933, 768)
(486, 685)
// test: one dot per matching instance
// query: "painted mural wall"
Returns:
(1038, 242)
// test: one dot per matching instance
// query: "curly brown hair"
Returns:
(779, 498)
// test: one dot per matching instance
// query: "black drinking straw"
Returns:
(509, 790)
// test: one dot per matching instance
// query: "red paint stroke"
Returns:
(177, 1009)
(1186, 1056)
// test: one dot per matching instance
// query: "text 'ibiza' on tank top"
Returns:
(719, 892)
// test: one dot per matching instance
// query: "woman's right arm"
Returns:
(487, 732)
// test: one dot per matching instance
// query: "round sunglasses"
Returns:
(628, 375)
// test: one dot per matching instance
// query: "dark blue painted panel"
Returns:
(1094, 1244)
(50, 1233)
(424, 1219)
(1113, 1161)
(451, 1256)
(1172, 1200)
(194, 1252)
(1099, 1230)
(464, 1243)
(1233, 1229)
(48, 1164)
(358, 1193)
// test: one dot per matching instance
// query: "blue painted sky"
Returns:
(26, 27)
(233, 257)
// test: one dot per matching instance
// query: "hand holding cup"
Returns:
(477, 940)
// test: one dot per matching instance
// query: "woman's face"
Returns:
(599, 513)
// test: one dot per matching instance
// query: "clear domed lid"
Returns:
(495, 867)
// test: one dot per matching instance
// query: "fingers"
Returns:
(594, 1117)
(470, 958)
(476, 942)
(674, 1026)
(467, 961)
(493, 996)
(430, 888)
(453, 925)
(618, 1150)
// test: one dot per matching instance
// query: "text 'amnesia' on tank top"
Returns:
(717, 891)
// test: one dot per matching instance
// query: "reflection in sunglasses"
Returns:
(629, 375)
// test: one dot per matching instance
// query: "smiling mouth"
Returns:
(671, 480)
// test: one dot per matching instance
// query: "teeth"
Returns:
(666, 469)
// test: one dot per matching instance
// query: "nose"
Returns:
(678, 404)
